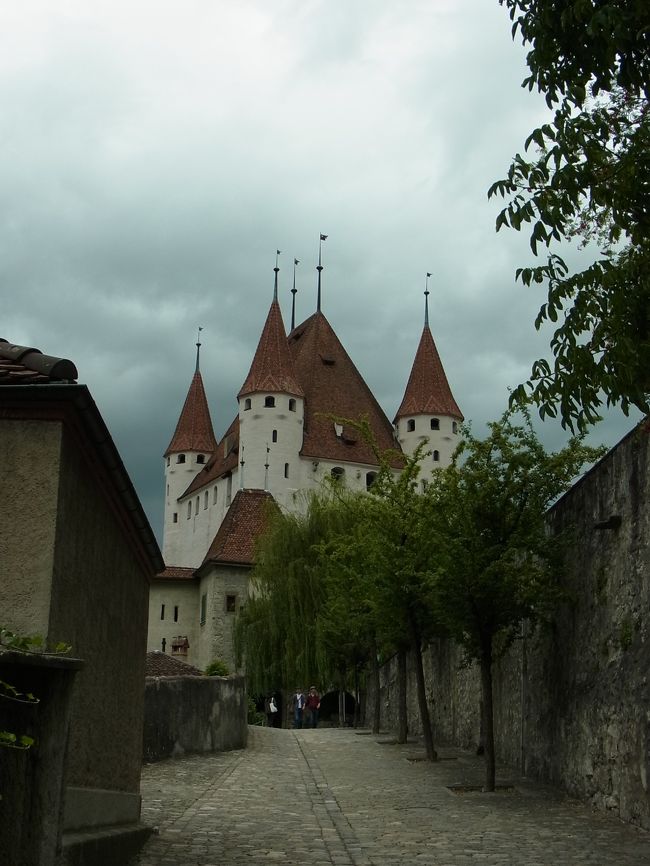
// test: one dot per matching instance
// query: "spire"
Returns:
(276, 270)
(194, 429)
(198, 348)
(428, 391)
(320, 268)
(293, 295)
(426, 301)
(272, 368)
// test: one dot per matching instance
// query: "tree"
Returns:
(590, 178)
(497, 564)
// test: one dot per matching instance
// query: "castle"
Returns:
(283, 440)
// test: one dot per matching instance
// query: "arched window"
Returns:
(454, 427)
(205, 500)
(180, 458)
(338, 474)
(168, 460)
(269, 402)
(292, 405)
(189, 509)
(200, 458)
(286, 470)
(410, 425)
(247, 403)
(435, 423)
(370, 479)
(436, 456)
(214, 495)
(274, 436)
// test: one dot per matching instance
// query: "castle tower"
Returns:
(189, 450)
(271, 412)
(428, 410)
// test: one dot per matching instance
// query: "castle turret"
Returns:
(428, 410)
(271, 412)
(189, 450)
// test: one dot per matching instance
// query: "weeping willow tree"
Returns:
(277, 633)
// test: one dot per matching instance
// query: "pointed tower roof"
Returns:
(272, 369)
(194, 429)
(334, 387)
(427, 391)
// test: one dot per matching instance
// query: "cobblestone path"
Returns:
(329, 796)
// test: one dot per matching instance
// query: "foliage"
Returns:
(497, 562)
(254, 717)
(30, 645)
(589, 178)
(217, 668)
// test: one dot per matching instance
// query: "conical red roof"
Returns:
(427, 391)
(272, 368)
(194, 429)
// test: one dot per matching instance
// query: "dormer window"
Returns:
(200, 458)
(180, 458)
(435, 423)
(247, 404)
(269, 402)
(292, 405)
(410, 425)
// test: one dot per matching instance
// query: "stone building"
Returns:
(76, 557)
(284, 439)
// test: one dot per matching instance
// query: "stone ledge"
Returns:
(107, 846)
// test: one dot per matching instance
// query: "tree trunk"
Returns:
(488, 712)
(376, 706)
(425, 718)
(357, 702)
(402, 718)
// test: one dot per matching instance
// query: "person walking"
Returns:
(313, 705)
(271, 711)
(298, 708)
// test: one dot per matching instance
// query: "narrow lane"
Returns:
(337, 797)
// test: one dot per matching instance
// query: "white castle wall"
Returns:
(444, 440)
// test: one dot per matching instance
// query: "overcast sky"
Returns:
(154, 155)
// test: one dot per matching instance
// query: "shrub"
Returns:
(217, 668)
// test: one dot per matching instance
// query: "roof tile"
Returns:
(245, 521)
(194, 429)
(427, 391)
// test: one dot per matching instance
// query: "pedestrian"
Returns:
(298, 708)
(271, 711)
(313, 705)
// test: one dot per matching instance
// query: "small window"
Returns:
(371, 477)
(180, 458)
(204, 608)
(435, 423)
(247, 404)
(410, 425)
(175, 613)
(205, 500)
(200, 458)
(454, 427)
(274, 436)
(231, 604)
(189, 509)
(292, 405)
(168, 460)
(424, 483)
(228, 489)
(175, 517)
(269, 402)
(168, 491)
(214, 495)
(286, 470)
(162, 611)
(436, 456)
(196, 510)
(338, 474)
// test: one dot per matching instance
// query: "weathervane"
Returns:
(426, 301)
(276, 269)
(198, 347)
(320, 267)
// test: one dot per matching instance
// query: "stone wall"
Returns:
(194, 714)
(572, 704)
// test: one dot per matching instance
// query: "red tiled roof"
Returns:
(427, 391)
(223, 460)
(175, 572)
(159, 664)
(245, 521)
(194, 429)
(272, 368)
(24, 365)
(334, 387)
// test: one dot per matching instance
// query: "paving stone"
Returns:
(329, 796)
